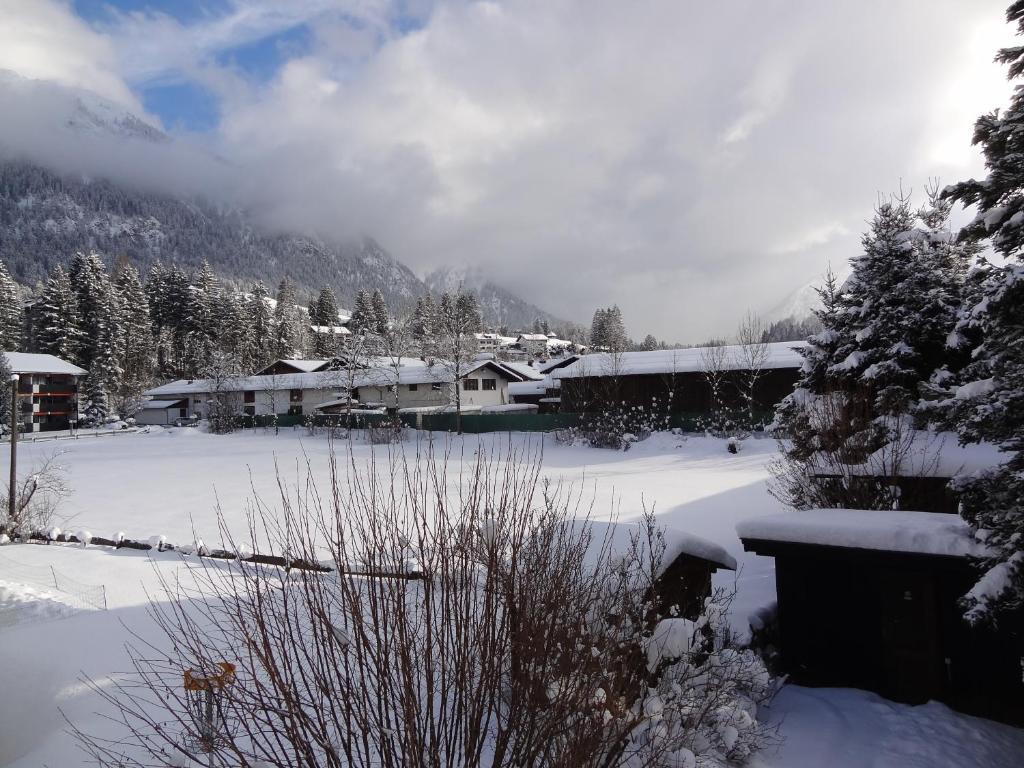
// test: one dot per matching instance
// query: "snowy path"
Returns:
(846, 728)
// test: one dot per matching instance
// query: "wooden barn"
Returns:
(869, 599)
(679, 377)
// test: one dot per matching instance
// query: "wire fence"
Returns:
(73, 593)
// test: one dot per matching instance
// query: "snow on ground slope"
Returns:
(164, 481)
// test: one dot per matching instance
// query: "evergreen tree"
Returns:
(324, 313)
(59, 332)
(136, 340)
(381, 319)
(234, 344)
(598, 329)
(98, 313)
(289, 335)
(10, 312)
(614, 329)
(261, 328)
(363, 317)
(992, 386)
(97, 407)
(201, 322)
(5, 394)
(649, 343)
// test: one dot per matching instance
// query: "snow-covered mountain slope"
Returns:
(500, 307)
(47, 217)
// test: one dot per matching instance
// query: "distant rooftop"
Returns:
(782, 354)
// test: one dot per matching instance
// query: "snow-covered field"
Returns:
(169, 482)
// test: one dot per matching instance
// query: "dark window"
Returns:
(294, 410)
(249, 410)
(490, 384)
(182, 412)
(250, 396)
(412, 387)
(436, 386)
(470, 385)
(295, 396)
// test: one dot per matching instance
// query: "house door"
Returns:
(912, 664)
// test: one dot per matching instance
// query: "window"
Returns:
(412, 387)
(249, 410)
(250, 396)
(436, 386)
(470, 385)
(294, 410)
(490, 385)
(295, 396)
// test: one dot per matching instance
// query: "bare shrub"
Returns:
(475, 619)
(37, 496)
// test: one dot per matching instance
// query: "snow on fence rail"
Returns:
(78, 594)
(160, 544)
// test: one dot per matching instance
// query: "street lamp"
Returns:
(14, 448)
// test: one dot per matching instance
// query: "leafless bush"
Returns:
(841, 458)
(474, 619)
(37, 496)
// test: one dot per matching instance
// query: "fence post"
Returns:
(55, 584)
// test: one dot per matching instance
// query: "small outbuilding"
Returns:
(870, 599)
(163, 412)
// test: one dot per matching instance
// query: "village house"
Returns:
(288, 389)
(47, 391)
(678, 378)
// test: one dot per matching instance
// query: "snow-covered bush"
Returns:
(477, 623)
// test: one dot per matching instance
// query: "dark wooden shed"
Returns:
(869, 599)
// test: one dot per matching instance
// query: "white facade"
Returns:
(418, 386)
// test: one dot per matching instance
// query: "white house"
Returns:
(416, 384)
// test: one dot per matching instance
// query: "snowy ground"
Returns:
(167, 481)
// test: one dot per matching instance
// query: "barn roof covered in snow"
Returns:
(620, 538)
(922, 533)
(24, 362)
(782, 354)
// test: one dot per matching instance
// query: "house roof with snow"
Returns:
(24, 362)
(416, 372)
(532, 337)
(921, 533)
(782, 354)
(296, 366)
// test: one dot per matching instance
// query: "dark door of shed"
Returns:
(912, 661)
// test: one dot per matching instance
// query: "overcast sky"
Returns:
(686, 160)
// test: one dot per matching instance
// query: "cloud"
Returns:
(686, 162)
(44, 40)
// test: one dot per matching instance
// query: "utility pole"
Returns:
(14, 449)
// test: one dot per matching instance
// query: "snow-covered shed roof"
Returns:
(532, 337)
(619, 538)
(24, 362)
(782, 354)
(932, 454)
(338, 330)
(529, 387)
(923, 533)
